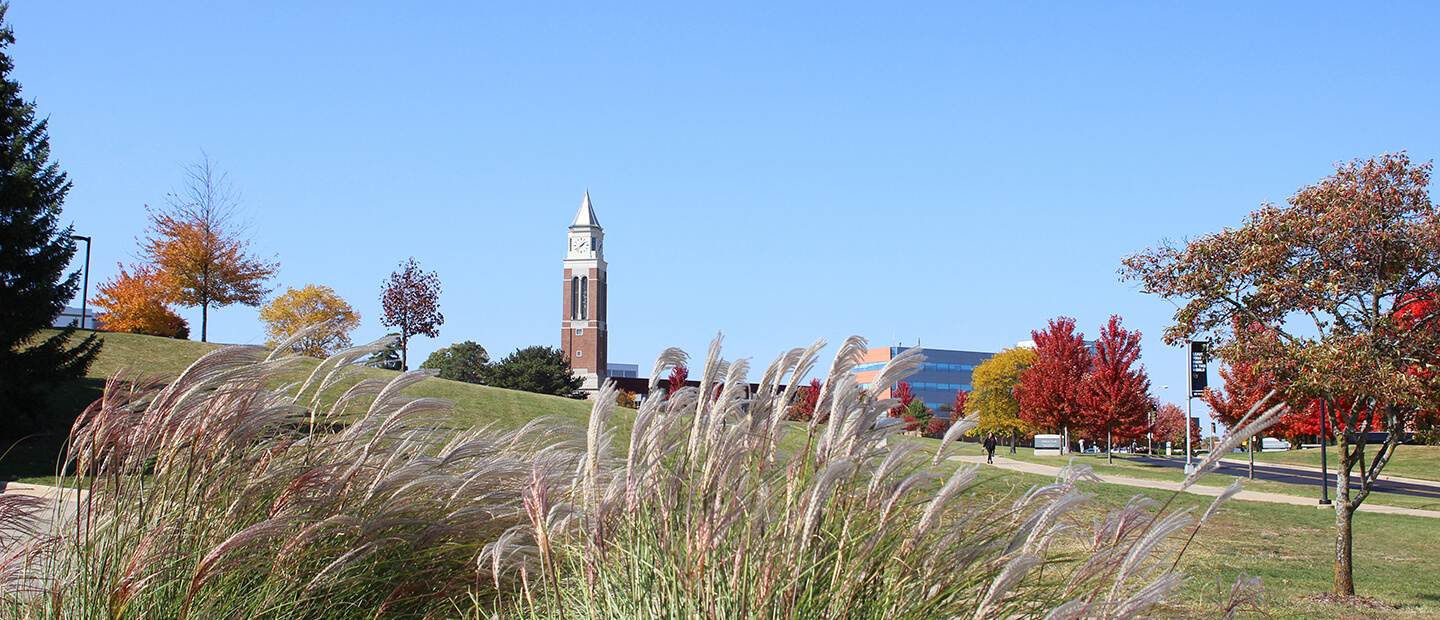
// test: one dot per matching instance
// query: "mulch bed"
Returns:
(1349, 600)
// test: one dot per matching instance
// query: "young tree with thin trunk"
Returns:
(1049, 392)
(993, 397)
(1115, 394)
(410, 301)
(200, 251)
(1327, 277)
(134, 302)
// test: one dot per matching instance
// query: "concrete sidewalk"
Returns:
(1254, 496)
(39, 490)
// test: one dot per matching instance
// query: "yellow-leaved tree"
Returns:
(200, 253)
(297, 309)
(135, 303)
(993, 393)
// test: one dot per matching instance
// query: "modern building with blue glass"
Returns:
(943, 373)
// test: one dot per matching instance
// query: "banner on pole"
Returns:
(1199, 358)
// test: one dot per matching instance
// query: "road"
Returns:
(1290, 474)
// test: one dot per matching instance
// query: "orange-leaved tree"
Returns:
(312, 306)
(134, 302)
(198, 250)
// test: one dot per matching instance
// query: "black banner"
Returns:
(1199, 358)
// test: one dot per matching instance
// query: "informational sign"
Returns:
(1047, 444)
(1199, 359)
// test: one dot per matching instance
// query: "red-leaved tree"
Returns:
(1170, 426)
(937, 426)
(803, 407)
(902, 393)
(1115, 394)
(411, 302)
(1049, 391)
(678, 376)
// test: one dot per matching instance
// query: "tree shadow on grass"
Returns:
(37, 453)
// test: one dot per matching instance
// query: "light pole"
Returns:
(1199, 351)
(84, 288)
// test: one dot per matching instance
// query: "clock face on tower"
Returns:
(579, 245)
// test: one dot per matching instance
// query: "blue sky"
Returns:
(950, 173)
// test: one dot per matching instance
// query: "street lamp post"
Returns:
(85, 287)
(1199, 353)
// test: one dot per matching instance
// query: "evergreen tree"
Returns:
(34, 251)
(463, 361)
(389, 357)
(538, 369)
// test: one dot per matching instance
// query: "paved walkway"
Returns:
(37, 490)
(1254, 496)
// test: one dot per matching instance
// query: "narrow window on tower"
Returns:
(600, 309)
(574, 298)
(584, 297)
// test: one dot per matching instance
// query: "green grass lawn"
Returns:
(1290, 547)
(34, 459)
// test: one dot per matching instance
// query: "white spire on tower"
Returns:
(586, 216)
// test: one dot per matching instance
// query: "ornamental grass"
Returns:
(249, 487)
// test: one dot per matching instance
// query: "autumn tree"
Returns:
(802, 408)
(1049, 392)
(312, 306)
(34, 252)
(1323, 275)
(626, 399)
(678, 376)
(463, 361)
(538, 369)
(1115, 394)
(411, 301)
(1170, 425)
(200, 251)
(902, 393)
(957, 406)
(134, 302)
(993, 394)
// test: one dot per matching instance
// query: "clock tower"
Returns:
(582, 322)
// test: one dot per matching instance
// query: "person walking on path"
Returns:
(989, 448)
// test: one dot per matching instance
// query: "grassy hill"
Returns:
(475, 405)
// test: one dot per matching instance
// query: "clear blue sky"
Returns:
(949, 173)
